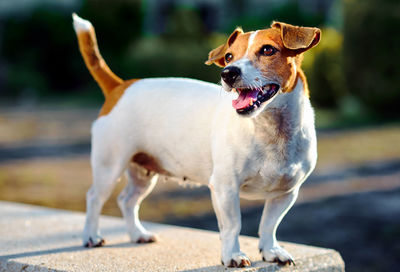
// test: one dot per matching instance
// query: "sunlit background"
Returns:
(48, 100)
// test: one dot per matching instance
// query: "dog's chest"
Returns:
(284, 156)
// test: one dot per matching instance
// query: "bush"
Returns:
(372, 55)
(180, 51)
(40, 53)
(37, 52)
(323, 66)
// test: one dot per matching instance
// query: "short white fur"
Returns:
(81, 25)
(250, 42)
(194, 133)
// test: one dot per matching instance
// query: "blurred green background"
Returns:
(48, 100)
(353, 73)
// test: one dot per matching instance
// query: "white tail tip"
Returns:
(81, 25)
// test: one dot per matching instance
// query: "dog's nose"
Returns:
(230, 74)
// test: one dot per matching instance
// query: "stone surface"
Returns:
(40, 239)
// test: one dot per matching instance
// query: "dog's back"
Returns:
(179, 107)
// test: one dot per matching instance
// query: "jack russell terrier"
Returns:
(256, 140)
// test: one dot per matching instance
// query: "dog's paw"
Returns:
(143, 238)
(278, 255)
(146, 239)
(94, 242)
(237, 260)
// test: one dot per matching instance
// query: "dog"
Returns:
(253, 137)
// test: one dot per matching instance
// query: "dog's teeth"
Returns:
(251, 102)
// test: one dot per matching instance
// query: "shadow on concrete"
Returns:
(272, 268)
(65, 250)
(44, 252)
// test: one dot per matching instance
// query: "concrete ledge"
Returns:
(40, 239)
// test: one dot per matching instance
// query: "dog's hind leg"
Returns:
(140, 183)
(106, 173)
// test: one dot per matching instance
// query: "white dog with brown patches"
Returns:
(256, 140)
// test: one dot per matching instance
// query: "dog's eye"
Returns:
(228, 57)
(267, 50)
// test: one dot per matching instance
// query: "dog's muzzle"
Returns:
(230, 75)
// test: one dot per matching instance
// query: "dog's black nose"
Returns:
(230, 74)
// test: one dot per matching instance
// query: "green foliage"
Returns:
(40, 53)
(288, 12)
(354, 72)
(157, 57)
(37, 50)
(180, 51)
(372, 55)
(118, 26)
(323, 66)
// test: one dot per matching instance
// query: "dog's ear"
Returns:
(298, 38)
(217, 55)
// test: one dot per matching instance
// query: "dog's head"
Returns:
(261, 64)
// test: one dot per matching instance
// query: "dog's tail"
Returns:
(100, 71)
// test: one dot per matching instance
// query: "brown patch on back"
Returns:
(148, 162)
(113, 96)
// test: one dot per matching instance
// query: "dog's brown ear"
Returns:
(217, 55)
(298, 38)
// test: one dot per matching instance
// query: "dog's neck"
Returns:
(285, 112)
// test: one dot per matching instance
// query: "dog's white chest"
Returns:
(282, 170)
(283, 154)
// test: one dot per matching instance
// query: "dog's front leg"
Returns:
(226, 202)
(274, 210)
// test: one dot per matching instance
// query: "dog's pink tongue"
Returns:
(245, 96)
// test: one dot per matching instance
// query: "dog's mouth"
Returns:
(251, 98)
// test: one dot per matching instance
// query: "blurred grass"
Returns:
(49, 182)
(59, 121)
(357, 147)
(62, 183)
(50, 123)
